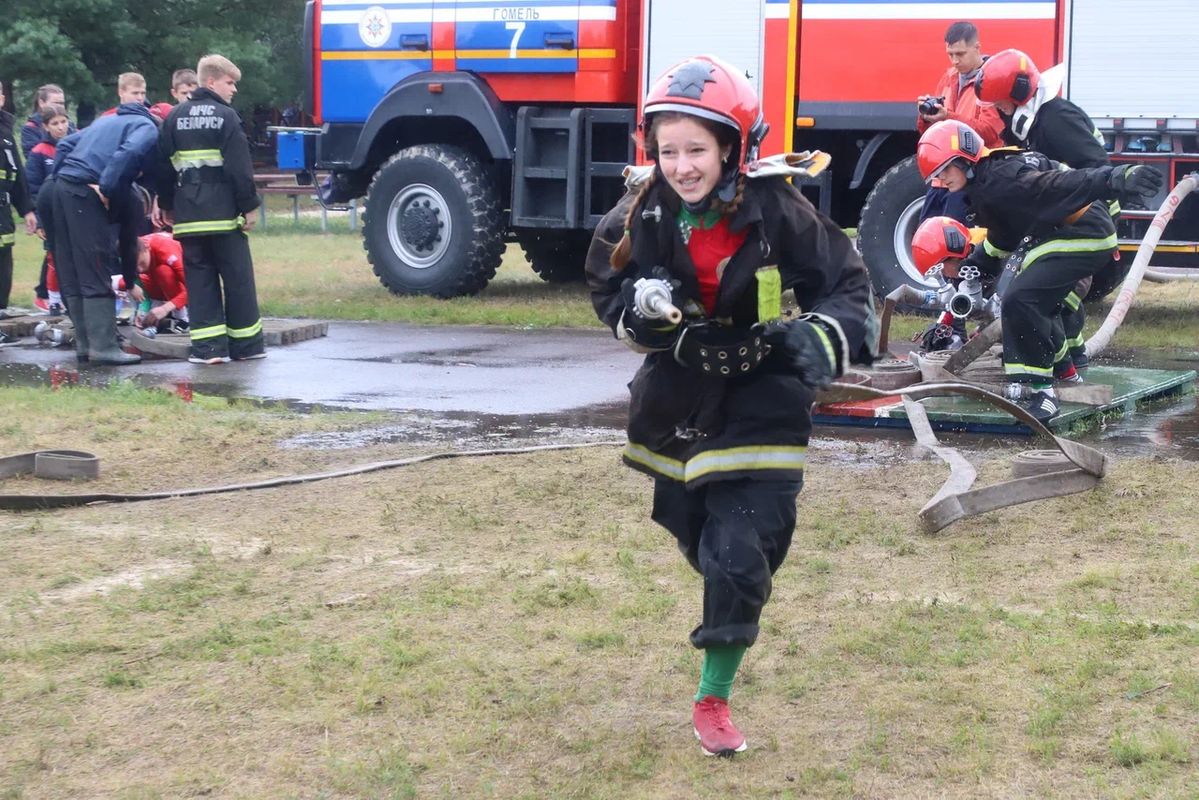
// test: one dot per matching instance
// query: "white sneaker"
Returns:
(209, 361)
(1043, 406)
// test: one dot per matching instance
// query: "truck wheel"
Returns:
(433, 223)
(889, 220)
(557, 256)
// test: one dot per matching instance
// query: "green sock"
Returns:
(719, 670)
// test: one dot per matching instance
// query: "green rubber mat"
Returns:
(1130, 386)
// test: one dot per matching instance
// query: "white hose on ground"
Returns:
(1102, 337)
(1171, 274)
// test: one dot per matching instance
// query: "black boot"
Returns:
(101, 325)
(76, 313)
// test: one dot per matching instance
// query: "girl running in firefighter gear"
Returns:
(719, 410)
(1039, 120)
(1025, 198)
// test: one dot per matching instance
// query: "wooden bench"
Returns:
(284, 184)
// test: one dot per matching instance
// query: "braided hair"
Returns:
(624, 248)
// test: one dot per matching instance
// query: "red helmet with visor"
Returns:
(937, 239)
(944, 143)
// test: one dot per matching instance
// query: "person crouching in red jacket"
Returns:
(160, 270)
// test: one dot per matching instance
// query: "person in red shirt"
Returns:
(160, 270)
(957, 93)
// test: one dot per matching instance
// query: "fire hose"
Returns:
(1140, 266)
(1073, 468)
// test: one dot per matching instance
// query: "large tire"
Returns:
(433, 223)
(556, 256)
(890, 217)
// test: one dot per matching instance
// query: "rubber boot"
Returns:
(101, 325)
(76, 313)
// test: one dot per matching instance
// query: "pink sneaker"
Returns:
(717, 734)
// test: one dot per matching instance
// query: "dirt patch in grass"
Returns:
(516, 627)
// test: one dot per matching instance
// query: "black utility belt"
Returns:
(724, 350)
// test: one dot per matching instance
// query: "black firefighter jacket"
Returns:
(1063, 132)
(14, 193)
(695, 427)
(207, 177)
(1023, 195)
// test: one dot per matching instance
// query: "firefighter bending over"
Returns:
(1018, 194)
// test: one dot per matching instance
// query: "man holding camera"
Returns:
(955, 98)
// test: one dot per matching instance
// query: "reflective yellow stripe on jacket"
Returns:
(209, 226)
(730, 459)
(193, 159)
(770, 294)
(994, 251)
(1068, 246)
(7, 238)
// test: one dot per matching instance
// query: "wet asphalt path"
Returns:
(470, 387)
(392, 366)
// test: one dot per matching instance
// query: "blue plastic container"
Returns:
(289, 150)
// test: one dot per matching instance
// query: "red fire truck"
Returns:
(470, 123)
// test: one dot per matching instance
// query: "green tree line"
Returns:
(83, 45)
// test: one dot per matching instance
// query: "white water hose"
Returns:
(1102, 337)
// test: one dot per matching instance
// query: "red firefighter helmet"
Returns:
(707, 87)
(1008, 75)
(943, 143)
(937, 239)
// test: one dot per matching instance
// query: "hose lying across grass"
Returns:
(1140, 266)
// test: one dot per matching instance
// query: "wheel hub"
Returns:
(420, 225)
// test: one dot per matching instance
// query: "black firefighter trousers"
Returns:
(735, 534)
(1033, 330)
(5, 274)
(221, 299)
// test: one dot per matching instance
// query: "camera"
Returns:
(929, 106)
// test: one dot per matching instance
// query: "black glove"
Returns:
(1133, 182)
(647, 332)
(808, 350)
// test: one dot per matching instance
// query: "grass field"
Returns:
(304, 273)
(515, 627)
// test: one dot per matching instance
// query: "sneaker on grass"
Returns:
(717, 734)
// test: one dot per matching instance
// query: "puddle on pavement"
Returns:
(1168, 429)
(461, 431)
